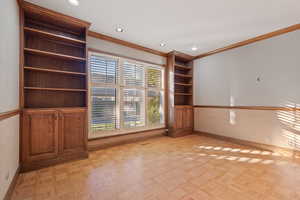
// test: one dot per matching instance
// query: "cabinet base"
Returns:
(181, 132)
(25, 167)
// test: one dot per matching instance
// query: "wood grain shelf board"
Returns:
(47, 53)
(182, 67)
(183, 75)
(52, 35)
(184, 84)
(183, 106)
(53, 71)
(183, 94)
(53, 108)
(56, 89)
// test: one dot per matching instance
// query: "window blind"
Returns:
(133, 74)
(103, 69)
(133, 108)
(104, 109)
(125, 95)
(154, 79)
(104, 72)
(155, 107)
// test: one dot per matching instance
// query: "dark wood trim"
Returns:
(12, 185)
(182, 56)
(130, 133)
(252, 40)
(21, 75)
(9, 114)
(25, 167)
(105, 142)
(249, 107)
(46, 12)
(125, 43)
(260, 146)
(21, 58)
(20, 2)
(122, 56)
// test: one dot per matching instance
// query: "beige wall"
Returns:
(230, 79)
(124, 51)
(9, 95)
(279, 128)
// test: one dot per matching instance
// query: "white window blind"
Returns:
(154, 79)
(125, 95)
(103, 69)
(133, 108)
(155, 107)
(104, 109)
(133, 74)
(104, 76)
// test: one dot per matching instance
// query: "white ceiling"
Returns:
(181, 24)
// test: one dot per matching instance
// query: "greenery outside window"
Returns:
(125, 95)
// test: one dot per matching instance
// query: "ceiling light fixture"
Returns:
(74, 2)
(194, 48)
(119, 29)
(162, 44)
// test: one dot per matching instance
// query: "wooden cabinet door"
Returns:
(179, 118)
(40, 135)
(188, 118)
(73, 130)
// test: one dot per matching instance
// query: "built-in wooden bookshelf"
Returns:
(49, 49)
(180, 104)
(54, 87)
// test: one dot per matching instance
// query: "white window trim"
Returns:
(119, 87)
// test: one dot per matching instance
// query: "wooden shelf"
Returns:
(183, 75)
(54, 71)
(182, 67)
(47, 53)
(56, 89)
(52, 35)
(183, 106)
(42, 108)
(183, 94)
(184, 84)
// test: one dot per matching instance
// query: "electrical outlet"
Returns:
(7, 176)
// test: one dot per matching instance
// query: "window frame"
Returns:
(120, 86)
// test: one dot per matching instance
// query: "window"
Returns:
(125, 95)
(133, 108)
(155, 107)
(103, 97)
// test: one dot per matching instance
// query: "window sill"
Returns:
(106, 134)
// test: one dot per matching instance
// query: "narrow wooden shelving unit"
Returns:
(53, 87)
(183, 67)
(184, 84)
(41, 69)
(183, 75)
(56, 89)
(183, 94)
(180, 71)
(52, 54)
(52, 35)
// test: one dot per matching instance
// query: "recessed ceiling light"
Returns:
(194, 48)
(162, 44)
(119, 29)
(74, 2)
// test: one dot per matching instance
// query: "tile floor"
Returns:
(188, 168)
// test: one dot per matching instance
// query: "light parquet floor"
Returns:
(187, 168)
